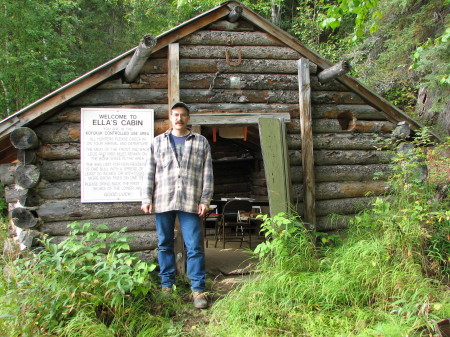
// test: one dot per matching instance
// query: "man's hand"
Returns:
(202, 208)
(146, 208)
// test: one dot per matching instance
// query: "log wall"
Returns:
(263, 80)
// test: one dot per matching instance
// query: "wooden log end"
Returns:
(27, 176)
(24, 218)
(235, 14)
(24, 138)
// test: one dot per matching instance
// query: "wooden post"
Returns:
(173, 70)
(307, 142)
(173, 67)
(140, 56)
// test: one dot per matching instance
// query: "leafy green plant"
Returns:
(89, 277)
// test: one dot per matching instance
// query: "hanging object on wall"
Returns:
(233, 63)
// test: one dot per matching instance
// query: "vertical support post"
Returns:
(173, 74)
(309, 191)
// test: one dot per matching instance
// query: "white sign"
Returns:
(114, 144)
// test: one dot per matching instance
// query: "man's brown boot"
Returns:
(200, 300)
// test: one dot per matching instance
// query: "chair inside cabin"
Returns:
(234, 222)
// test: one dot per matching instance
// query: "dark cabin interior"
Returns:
(237, 162)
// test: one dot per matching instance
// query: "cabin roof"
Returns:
(39, 110)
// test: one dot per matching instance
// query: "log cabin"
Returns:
(285, 125)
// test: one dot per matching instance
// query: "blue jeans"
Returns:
(192, 235)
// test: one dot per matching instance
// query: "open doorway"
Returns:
(238, 174)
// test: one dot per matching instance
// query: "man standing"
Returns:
(178, 181)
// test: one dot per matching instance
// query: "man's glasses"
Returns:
(176, 115)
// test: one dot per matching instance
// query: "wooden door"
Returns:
(272, 133)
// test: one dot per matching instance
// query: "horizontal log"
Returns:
(59, 189)
(336, 141)
(247, 52)
(7, 172)
(57, 170)
(344, 172)
(239, 26)
(359, 111)
(59, 151)
(333, 222)
(139, 240)
(122, 96)
(24, 138)
(61, 140)
(264, 96)
(325, 125)
(73, 209)
(194, 96)
(214, 37)
(134, 223)
(27, 176)
(363, 112)
(347, 189)
(342, 157)
(24, 218)
(340, 206)
(256, 66)
(224, 81)
(58, 133)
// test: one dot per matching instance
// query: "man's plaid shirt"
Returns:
(169, 185)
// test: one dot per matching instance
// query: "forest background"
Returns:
(399, 48)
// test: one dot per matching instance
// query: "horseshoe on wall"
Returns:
(233, 63)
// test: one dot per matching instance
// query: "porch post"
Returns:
(173, 94)
(309, 193)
